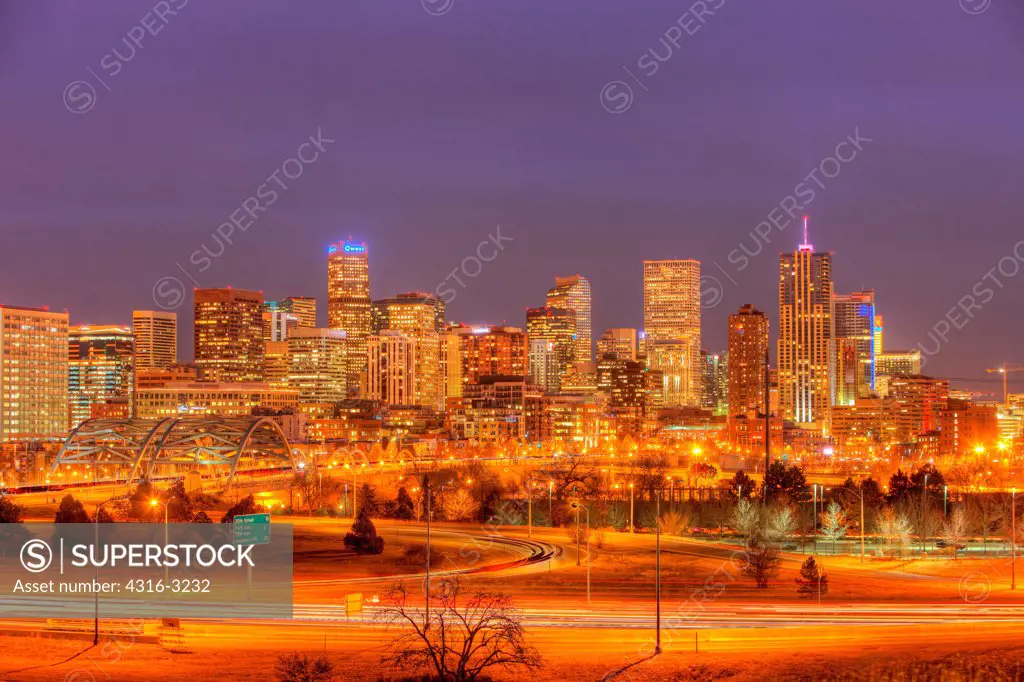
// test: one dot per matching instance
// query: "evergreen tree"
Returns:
(179, 506)
(899, 487)
(368, 499)
(404, 508)
(364, 539)
(246, 505)
(70, 511)
(742, 485)
(808, 582)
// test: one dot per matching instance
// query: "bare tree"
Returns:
(782, 524)
(747, 518)
(834, 524)
(463, 639)
(648, 473)
(570, 475)
(954, 531)
(894, 528)
(460, 505)
(762, 560)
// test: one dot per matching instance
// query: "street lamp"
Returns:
(631, 509)
(577, 506)
(1013, 541)
(551, 516)
(154, 502)
(96, 596)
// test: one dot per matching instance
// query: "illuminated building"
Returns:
(491, 351)
(748, 353)
(180, 399)
(275, 363)
(919, 402)
(558, 327)
(853, 319)
(581, 379)
(966, 429)
(879, 337)
(672, 318)
(277, 324)
(33, 374)
(570, 420)
(229, 335)
(391, 369)
(316, 364)
(628, 390)
(864, 424)
(714, 381)
(805, 334)
(671, 359)
(896, 362)
(419, 316)
(573, 293)
(100, 362)
(615, 348)
(156, 338)
(154, 377)
(303, 308)
(544, 361)
(348, 302)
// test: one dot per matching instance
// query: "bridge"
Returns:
(144, 448)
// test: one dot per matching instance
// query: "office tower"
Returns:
(414, 311)
(714, 381)
(748, 353)
(627, 401)
(896, 362)
(348, 302)
(805, 334)
(419, 316)
(275, 362)
(673, 362)
(229, 334)
(156, 338)
(616, 347)
(185, 398)
(557, 325)
(316, 364)
(100, 362)
(545, 365)
(919, 403)
(879, 334)
(33, 374)
(672, 316)
(853, 319)
(491, 351)
(966, 428)
(301, 307)
(391, 368)
(277, 324)
(573, 293)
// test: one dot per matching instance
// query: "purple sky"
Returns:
(447, 126)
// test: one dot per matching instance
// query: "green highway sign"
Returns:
(251, 529)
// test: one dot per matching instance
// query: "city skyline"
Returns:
(935, 180)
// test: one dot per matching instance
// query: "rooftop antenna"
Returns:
(806, 246)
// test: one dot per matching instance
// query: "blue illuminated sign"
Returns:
(354, 248)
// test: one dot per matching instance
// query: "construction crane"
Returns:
(1005, 370)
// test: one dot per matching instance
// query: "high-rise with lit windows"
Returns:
(672, 327)
(805, 334)
(100, 368)
(558, 327)
(229, 334)
(419, 316)
(573, 293)
(156, 338)
(853, 320)
(316, 364)
(33, 374)
(748, 353)
(348, 302)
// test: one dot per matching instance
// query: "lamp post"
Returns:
(1013, 541)
(945, 498)
(154, 502)
(631, 524)
(657, 575)
(551, 516)
(96, 596)
(529, 510)
(577, 506)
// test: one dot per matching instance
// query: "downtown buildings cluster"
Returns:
(398, 368)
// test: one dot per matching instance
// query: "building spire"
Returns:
(806, 246)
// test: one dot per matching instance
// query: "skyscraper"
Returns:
(100, 368)
(671, 318)
(418, 316)
(316, 364)
(748, 352)
(302, 308)
(615, 348)
(714, 384)
(391, 373)
(557, 326)
(491, 351)
(229, 334)
(33, 374)
(853, 319)
(156, 338)
(805, 334)
(348, 301)
(573, 293)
